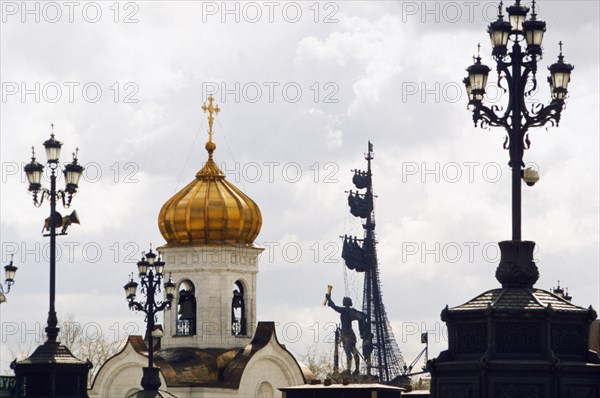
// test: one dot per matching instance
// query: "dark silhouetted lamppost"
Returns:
(52, 371)
(517, 340)
(150, 269)
(9, 272)
(72, 172)
(518, 69)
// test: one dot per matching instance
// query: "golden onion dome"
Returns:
(210, 209)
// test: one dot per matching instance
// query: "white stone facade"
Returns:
(212, 270)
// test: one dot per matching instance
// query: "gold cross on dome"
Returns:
(211, 110)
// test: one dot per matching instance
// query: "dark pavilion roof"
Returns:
(51, 353)
(513, 299)
(210, 367)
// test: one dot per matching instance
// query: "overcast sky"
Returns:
(302, 87)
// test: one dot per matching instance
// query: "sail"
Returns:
(360, 205)
(360, 179)
(354, 255)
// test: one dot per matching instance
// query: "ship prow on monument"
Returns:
(376, 357)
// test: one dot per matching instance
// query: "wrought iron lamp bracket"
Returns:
(541, 115)
(484, 116)
(43, 194)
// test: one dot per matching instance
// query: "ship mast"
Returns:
(386, 360)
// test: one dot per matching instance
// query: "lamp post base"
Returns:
(517, 268)
(151, 379)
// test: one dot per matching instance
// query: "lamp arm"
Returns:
(541, 115)
(162, 306)
(144, 285)
(530, 70)
(484, 116)
(44, 193)
(503, 71)
(134, 305)
(60, 194)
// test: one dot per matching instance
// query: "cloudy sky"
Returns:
(302, 87)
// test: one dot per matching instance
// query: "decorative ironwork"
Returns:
(537, 341)
(567, 339)
(518, 69)
(518, 338)
(52, 370)
(186, 322)
(471, 338)
(151, 274)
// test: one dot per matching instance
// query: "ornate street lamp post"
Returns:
(150, 269)
(9, 271)
(52, 371)
(72, 172)
(518, 68)
(517, 340)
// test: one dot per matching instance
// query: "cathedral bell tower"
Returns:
(210, 226)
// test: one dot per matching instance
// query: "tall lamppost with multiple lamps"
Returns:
(518, 68)
(517, 340)
(9, 272)
(52, 371)
(150, 270)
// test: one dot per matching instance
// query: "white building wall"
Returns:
(213, 270)
(120, 375)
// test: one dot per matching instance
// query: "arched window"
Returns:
(238, 310)
(186, 309)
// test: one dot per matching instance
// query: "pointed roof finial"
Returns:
(477, 59)
(500, 10)
(32, 153)
(212, 110)
(52, 126)
(533, 14)
(560, 44)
